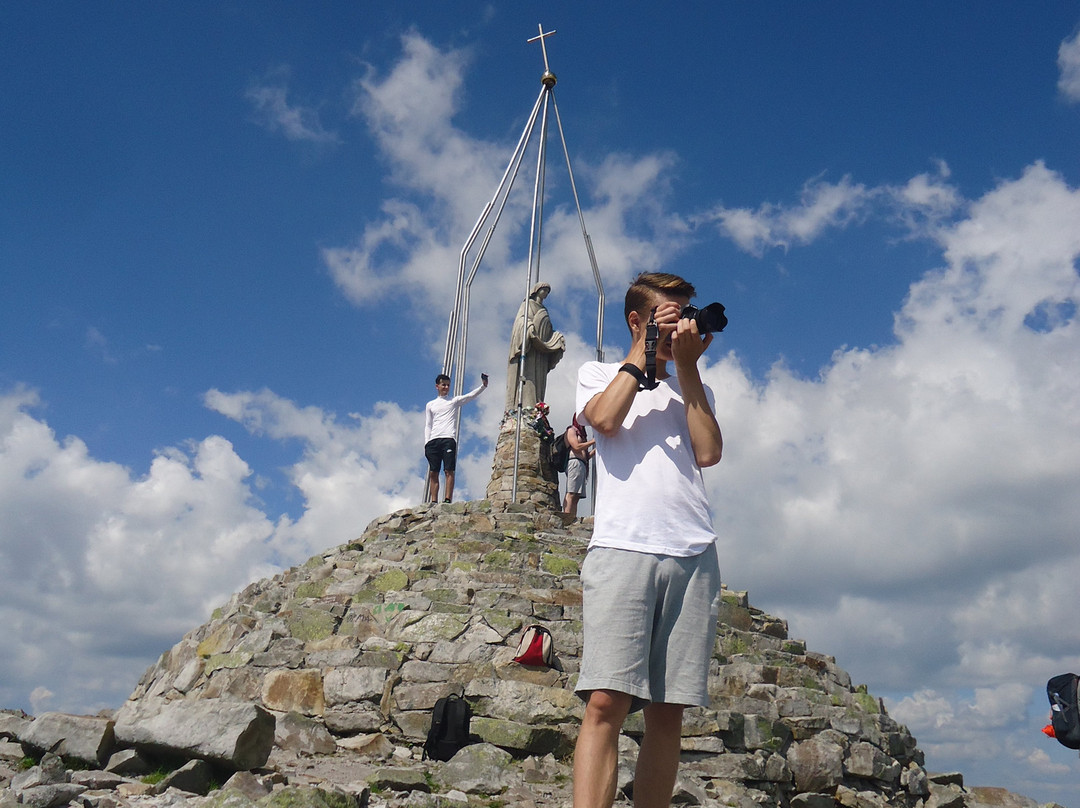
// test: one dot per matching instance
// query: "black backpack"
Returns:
(560, 453)
(449, 729)
(1064, 711)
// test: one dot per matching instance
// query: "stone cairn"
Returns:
(315, 688)
(537, 482)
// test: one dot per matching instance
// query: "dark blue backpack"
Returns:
(1064, 710)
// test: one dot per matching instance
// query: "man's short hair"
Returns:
(441, 377)
(646, 286)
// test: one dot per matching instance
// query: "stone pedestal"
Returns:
(537, 482)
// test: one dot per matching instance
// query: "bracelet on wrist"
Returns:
(634, 371)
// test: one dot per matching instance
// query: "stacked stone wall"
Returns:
(536, 483)
(352, 649)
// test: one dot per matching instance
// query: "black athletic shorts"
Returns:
(441, 451)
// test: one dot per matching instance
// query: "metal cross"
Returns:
(542, 46)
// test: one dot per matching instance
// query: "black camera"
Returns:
(710, 320)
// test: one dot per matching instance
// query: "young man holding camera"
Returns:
(651, 580)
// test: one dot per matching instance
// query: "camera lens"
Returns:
(710, 320)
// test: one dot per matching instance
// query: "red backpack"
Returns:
(535, 647)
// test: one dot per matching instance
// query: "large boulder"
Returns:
(236, 734)
(86, 738)
(816, 764)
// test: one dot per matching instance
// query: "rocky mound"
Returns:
(349, 652)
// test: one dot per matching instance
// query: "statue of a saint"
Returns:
(544, 348)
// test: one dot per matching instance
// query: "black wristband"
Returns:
(636, 372)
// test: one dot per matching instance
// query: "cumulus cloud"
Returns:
(922, 204)
(914, 509)
(410, 114)
(1069, 65)
(153, 554)
(822, 205)
(925, 202)
(1039, 762)
(446, 177)
(296, 122)
(988, 709)
(349, 472)
(39, 699)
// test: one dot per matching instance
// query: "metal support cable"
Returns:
(455, 352)
(458, 325)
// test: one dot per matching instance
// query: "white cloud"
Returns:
(155, 554)
(273, 110)
(957, 726)
(446, 177)
(822, 205)
(348, 474)
(152, 554)
(411, 253)
(401, 243)
(1038, 761)
(1069, 65)
(921, 206)
(914, 509)
(925, 202)
(39, 699)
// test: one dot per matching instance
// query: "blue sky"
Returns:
(229, 231)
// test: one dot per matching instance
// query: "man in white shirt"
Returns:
(440, 434)
(650, 580)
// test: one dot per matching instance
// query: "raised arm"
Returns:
(687, 346)
(607, 410)
(472, 393)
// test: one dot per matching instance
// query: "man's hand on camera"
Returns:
(687, 345)
(667, 318)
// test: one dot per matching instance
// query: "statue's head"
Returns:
(540, 290)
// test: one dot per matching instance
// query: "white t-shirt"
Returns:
(650, 497)
(441, 415)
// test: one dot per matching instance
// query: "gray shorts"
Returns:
(649, 624)
(577, 473)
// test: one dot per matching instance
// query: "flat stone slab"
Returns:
(237, 734)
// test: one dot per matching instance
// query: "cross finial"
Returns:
(543, 47)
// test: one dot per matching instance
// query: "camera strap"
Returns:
(646, 380)
(652, 335)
